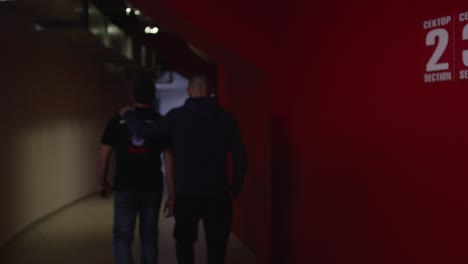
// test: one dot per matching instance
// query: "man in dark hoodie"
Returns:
(202, 136)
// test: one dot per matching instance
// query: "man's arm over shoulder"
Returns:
(140, 127)
(239, 159)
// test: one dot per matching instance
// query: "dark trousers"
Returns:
(127, 206)
(216, 213)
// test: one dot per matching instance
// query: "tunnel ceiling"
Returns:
(68, 19)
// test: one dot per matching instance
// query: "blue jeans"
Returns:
(127, 205)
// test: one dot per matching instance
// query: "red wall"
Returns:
(364, 161)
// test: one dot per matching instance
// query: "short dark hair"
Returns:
(143, 91)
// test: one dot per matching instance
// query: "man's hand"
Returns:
(104, 190)
(169, 207)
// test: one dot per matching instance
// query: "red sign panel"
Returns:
(461, 38)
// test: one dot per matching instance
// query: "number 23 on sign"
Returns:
(440, 64)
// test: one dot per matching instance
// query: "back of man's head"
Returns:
(143, 91)
(198, 86)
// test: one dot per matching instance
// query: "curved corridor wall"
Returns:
(55, 100)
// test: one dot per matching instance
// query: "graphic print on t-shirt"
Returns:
(137, 145)
(137, 141)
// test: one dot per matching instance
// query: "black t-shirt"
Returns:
(202, 135)
(138, 160)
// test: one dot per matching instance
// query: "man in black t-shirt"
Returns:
(138, 182)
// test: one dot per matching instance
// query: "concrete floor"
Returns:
(82, 233)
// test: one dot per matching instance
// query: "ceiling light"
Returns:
(151, 30)
(137, 12)
(128, 10)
